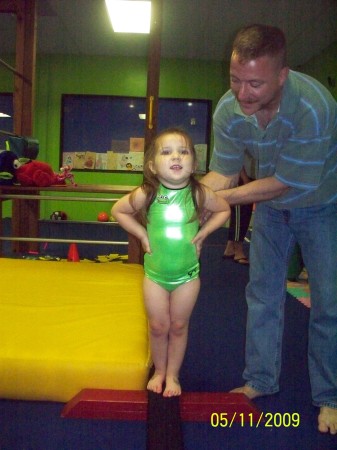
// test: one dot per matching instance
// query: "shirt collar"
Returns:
(289, 95)
(251, 119)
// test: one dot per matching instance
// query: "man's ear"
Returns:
(283, 75)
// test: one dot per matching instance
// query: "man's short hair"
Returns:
(257, 40)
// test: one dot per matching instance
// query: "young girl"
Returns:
(164, 214)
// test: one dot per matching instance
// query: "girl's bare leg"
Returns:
(158, 311)
(182, 301)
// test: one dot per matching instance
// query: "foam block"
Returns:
(65, 327)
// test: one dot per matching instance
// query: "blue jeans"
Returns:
(274, 235)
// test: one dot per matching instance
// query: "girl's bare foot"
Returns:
(155, 383)
(248, 391)
(172, 388)
(327, 420)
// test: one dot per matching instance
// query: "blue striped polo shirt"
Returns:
(298, 147)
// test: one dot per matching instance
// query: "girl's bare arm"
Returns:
(125, 214)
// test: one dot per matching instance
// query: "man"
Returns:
(287, 121)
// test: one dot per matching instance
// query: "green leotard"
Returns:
(174, 259)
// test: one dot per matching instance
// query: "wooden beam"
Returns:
(153, 71)
(153, 77)
(24, 86)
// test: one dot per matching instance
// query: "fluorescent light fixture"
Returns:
(4, 115)
(129, 16)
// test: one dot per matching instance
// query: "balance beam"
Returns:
(133, 405)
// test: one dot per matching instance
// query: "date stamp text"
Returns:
(264, 419)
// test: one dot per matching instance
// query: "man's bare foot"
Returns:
(248, 391)
(327, 420)
(229, 250)
(172, 388)
(155, 383)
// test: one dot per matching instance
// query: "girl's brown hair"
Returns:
(151, 183)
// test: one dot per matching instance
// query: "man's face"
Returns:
(257, 84)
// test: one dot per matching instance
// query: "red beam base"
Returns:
(133, 405)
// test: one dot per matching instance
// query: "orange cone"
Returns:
(73, 255)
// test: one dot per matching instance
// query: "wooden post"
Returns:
(153, 72)
(24, 91)
(153, 76)
(24, 86)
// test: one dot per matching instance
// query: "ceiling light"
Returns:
(129, 16)
(4, 115)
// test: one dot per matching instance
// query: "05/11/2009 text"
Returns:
(266, 420)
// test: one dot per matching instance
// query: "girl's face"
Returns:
(174, 161)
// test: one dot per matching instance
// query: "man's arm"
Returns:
(218, 182)
(253, 192)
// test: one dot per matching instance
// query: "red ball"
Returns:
(103, 217)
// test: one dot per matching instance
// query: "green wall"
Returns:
(323, 66)
(59, 74)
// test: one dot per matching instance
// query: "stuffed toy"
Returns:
(40, 174)
(36, 173)
(8, 165)
(65, 174)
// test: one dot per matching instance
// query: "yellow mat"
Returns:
(67, 326)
